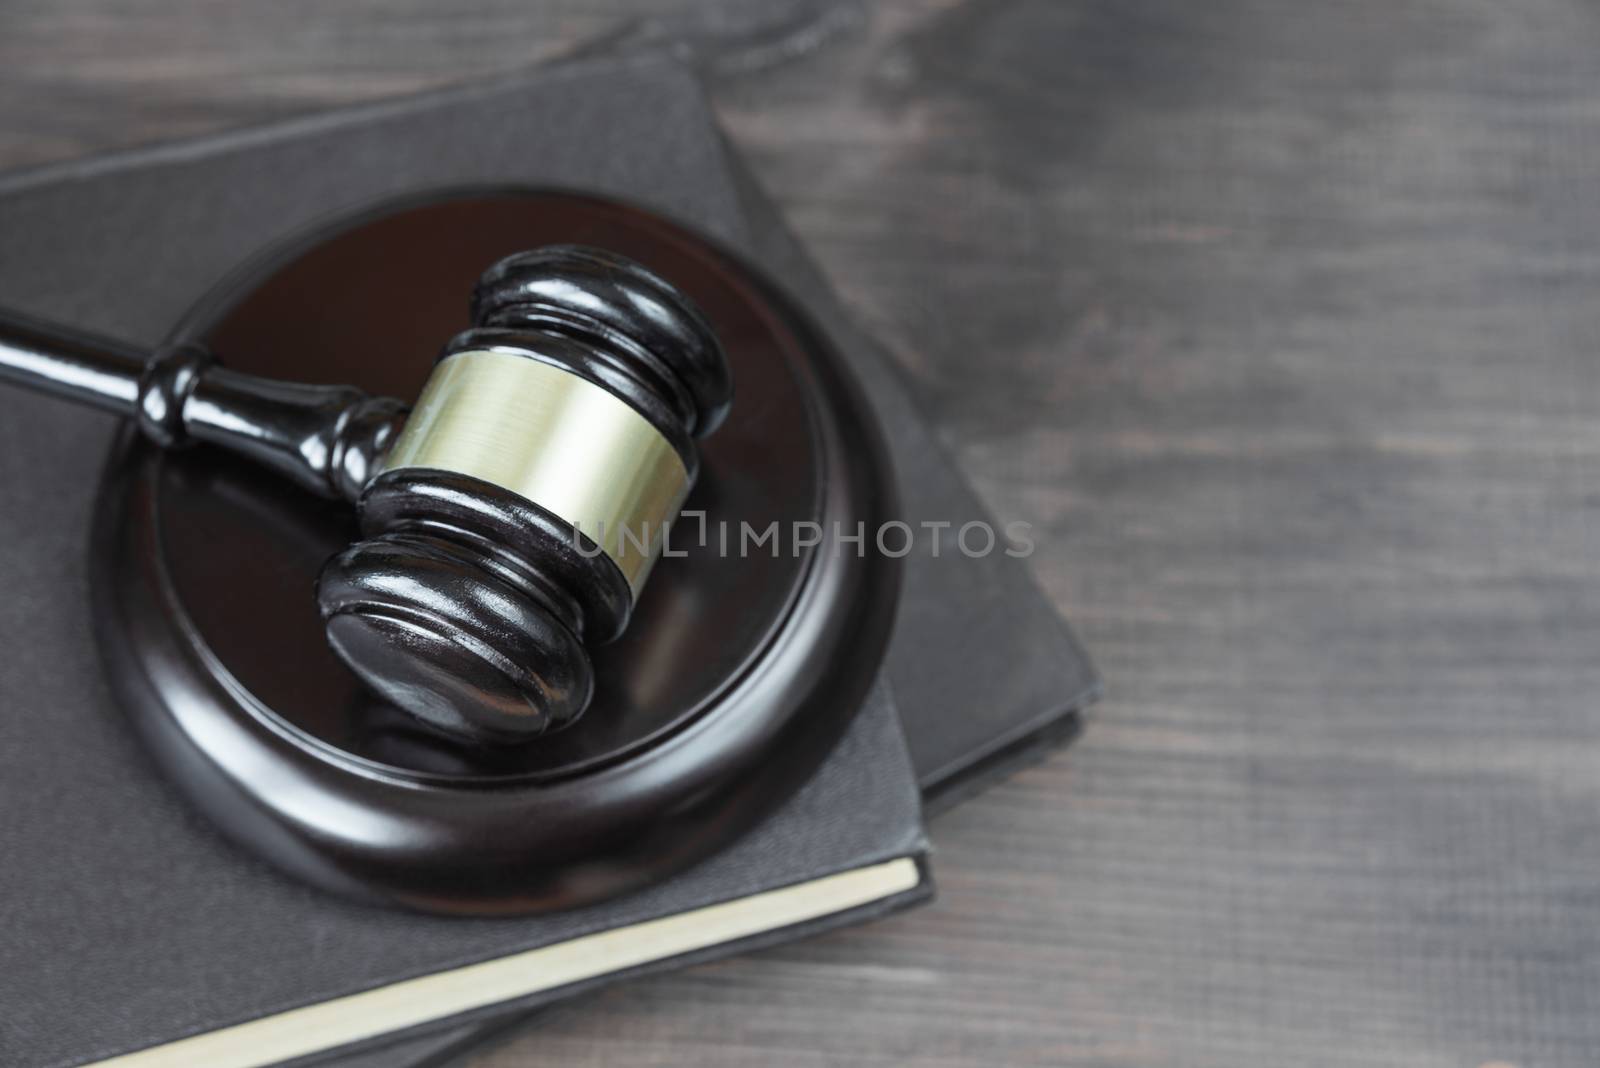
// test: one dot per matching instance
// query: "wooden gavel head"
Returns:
(516, 517)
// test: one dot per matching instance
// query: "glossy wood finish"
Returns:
(61, 362)
(736, 678)
(1277, 321)
(470, 602)
(326, 439)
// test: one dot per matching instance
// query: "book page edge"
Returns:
(353, 1018)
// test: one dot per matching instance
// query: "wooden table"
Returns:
(1281, 323)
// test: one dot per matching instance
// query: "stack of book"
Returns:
(136, 936)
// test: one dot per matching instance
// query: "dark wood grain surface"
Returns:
(1279, 322)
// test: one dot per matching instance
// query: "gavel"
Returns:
(510, 517)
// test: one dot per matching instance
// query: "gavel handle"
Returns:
(328, 439)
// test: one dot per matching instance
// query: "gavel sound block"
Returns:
(458, 776)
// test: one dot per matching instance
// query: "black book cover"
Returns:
(130, 924)
(161, 224)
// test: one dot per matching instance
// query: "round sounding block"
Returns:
(748, 654)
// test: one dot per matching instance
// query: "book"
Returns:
(135, 935)
(172, 217)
